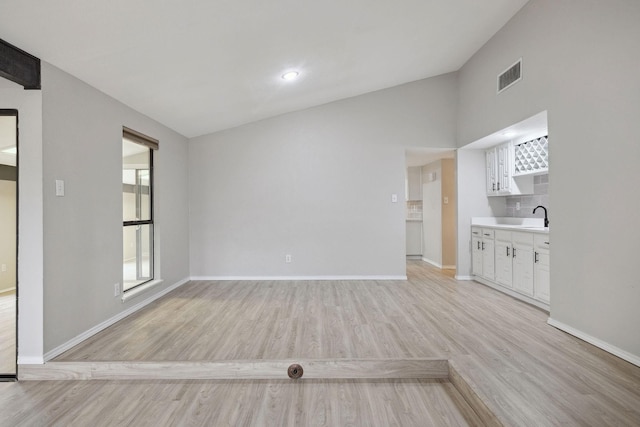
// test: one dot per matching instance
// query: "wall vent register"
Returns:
(510, 76)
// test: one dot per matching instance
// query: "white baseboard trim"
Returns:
(300, 278)
(435, 264)
(86, 334)
(440, 266)
(2, 291)
(30, 360)
(631, 358)
(463, 277)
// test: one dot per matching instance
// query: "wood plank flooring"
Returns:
(8, 333)
(525, 371)
(234, 403)
(263, 369)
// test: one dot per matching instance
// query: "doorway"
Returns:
(431, 206)
(8, 242)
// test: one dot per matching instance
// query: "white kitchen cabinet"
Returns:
(500, 173)
(492, 171)
(414, 183)
(488, 254)
(476, 251)
(541, 271)
(514, 262)
(523, 262)
(483, 252)
(532, 157)
(504, 264)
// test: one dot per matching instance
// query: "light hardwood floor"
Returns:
(525, 371)
(8, 333)
(234, 403)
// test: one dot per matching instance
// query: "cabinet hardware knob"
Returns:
(535, 257)
(507, 250)
(493, 187)
(478, 244)
(514, 253)
(546, 243)
(483, 246)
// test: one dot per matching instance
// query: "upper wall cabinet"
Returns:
(501, 177)
(414, 183)
(531, 157)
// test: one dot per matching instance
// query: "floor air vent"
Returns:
(510, 76)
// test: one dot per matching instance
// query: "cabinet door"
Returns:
(504, 175)
(491, 172)
(523, 269)
(504, 270)
(488, 259)
(542, 285)
(476, 255)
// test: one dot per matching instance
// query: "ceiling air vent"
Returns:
(510, 76)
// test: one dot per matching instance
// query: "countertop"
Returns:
(532, 225)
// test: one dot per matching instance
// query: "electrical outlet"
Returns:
(116, 289)
(287, 258)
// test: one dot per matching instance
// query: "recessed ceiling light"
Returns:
(290, 75)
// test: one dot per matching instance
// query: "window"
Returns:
(137, 208)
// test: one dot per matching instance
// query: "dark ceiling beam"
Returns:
(18, 66)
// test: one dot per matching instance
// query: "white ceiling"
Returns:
(199, 66)
(526, 130)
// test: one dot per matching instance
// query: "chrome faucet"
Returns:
(546, 219)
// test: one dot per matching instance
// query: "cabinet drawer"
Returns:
(488, 233)
(503, 236)
(541, 241)
(522, 238)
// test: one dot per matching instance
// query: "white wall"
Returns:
(577, 62)
(315, 184)
(82, 130)
(432, 213)
(448, 213)
(30, 245)
(8, 193)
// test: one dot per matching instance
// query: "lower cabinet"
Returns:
(483, 252)
(523, 263)
(515, 261)
(504, 263)
(541, 287)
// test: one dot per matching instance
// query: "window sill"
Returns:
(127, 295)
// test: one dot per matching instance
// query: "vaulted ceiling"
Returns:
(199, 66)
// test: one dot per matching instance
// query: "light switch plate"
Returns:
(59, 187)
(394, 198)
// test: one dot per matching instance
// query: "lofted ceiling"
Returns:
(199, 66)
